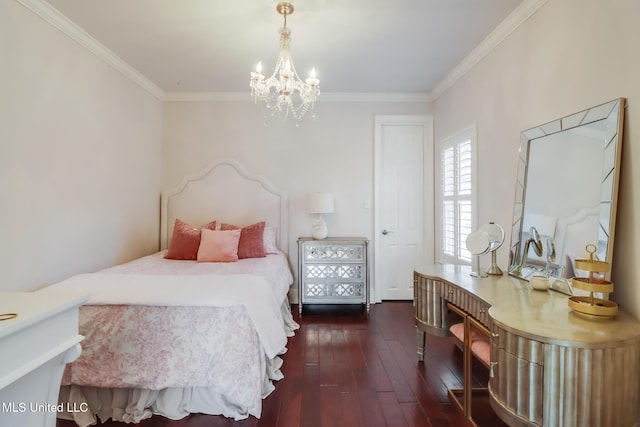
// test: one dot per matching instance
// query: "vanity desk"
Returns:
(548, 366)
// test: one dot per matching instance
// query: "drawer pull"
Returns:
(483, 311)
(491, 366)
(494, 335)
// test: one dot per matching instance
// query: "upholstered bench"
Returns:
(473, 339)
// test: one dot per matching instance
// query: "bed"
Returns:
(173, 336)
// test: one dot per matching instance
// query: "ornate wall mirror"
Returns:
(566, 191)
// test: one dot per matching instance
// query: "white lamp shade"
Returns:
(319, 203)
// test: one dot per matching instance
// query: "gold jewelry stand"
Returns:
(590, 306)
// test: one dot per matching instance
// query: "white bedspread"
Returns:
(253, 292)
(274, 268)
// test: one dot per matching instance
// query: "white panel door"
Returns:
(404, 208)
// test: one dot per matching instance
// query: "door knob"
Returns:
(385, 232)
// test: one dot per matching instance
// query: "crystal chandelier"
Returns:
(278, 91)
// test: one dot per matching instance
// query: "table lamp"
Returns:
(319, 204)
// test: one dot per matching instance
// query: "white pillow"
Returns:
(270, 240)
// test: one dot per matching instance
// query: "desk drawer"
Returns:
(518, 374)
(429, 308)
(471, 304)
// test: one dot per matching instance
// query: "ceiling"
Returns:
(367, 46)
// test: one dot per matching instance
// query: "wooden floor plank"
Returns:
(401, 388)
(290, 411)
(414, 415)
(351, 410)
(325, 356)
(376, 375)
(413, 371)
(393, 413)
(330, 409)
(310, 412)
(371, 410)
(341, 360)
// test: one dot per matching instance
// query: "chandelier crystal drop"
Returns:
(284, 93)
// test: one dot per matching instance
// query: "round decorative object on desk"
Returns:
(496, 238)
(539, 283)
(478, 243)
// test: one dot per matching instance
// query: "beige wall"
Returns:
(84, 152)
(80, 157)
(570, 55)
(334, 153)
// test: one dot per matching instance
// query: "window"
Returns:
(457, 194)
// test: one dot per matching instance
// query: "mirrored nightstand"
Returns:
(333, 271)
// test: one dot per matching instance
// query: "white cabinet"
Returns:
(34, 348)
(333, 271)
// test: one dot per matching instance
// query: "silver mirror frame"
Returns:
(613, 110)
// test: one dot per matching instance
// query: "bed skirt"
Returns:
(84, 404)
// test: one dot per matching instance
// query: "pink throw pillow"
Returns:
(219, 246)
(185, 240)
(251, 240)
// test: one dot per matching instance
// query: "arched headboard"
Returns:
(226, 192)
(574, 232)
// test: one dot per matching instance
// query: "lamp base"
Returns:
(319, 229)
(493, 269)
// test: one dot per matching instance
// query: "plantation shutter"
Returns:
(457, 189)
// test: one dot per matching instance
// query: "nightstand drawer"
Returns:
(333, 271)
(332, 292)
(330, 251)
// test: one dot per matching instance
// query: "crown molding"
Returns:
(497, 36)
(324, 97)
(47, 12)
(375, 97)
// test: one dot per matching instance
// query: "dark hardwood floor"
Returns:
(343, 369)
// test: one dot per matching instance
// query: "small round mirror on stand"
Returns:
(478, 243)
(496, 238)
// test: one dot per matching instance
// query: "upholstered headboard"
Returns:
(225, 191)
